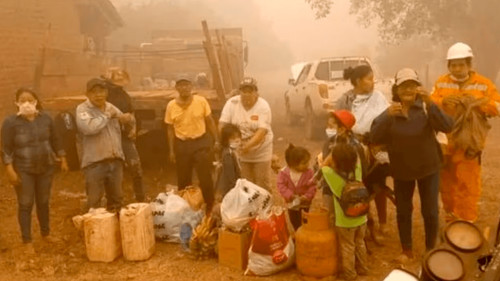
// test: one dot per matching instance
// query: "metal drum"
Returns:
(401, 275)
(463, 236)
(442, 265)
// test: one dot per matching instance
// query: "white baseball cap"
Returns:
(406, 74)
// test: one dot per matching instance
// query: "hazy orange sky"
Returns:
(294, 23)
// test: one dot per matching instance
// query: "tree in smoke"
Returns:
(445, 21)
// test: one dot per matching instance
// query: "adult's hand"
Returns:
(480, 102)
(244, 149)
(125, 118)
(12, 176)
(64, 165)
(424, 95)
(171, 157)
(395, 109)
(451, 101)
(132, 135)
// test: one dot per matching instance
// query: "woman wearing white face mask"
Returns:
(29, 142)
(366, 103)
(363, 100)
(230, 167)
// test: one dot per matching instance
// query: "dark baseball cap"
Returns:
(183, 77)
(96, 82)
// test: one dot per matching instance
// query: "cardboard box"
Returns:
(233, 248)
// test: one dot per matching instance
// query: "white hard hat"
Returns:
(459, 51)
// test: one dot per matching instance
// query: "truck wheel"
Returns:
(65, 127)
(291, 120)
(312, 129)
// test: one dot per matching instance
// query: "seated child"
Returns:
(350, 230)
(296, 183)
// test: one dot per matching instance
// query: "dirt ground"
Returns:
(67, 260)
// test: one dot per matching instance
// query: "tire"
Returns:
(65, 127)
(291, 120)
(311, 126)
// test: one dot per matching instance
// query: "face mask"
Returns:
(27, 108)
(330, 132)
(382, 157)
(235, 144)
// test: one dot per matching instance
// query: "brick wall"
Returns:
(26, 26)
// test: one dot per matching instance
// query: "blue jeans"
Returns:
(134, 166)
(428, 188)
(34, 187)
(104, 177)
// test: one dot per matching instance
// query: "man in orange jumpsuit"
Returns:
(461, 174)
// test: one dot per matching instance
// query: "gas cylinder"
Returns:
(442, 264)
(316, 245)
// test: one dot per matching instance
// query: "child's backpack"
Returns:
(355, 199)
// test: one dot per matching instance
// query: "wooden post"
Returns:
(39, 71)
(224, 62)
(213, 62)
(234, 57)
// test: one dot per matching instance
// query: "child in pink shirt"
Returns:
(296, 183)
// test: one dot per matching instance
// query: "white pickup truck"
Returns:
(313, 93)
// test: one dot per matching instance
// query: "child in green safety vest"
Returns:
(350, 230)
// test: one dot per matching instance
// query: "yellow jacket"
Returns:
(477, 86)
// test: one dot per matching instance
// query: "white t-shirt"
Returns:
(366, 108)
(249, 121)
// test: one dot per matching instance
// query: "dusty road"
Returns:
(67, 261)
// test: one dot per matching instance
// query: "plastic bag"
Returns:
(243, 203)
(272, 248)
(170, 212)
(194, 197)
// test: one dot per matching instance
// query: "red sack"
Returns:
(271, 248)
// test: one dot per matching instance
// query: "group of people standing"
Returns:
(369, 139)
(418, 138)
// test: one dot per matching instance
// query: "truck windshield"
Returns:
(334, 70)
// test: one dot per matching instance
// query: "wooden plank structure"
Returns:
(217, 52)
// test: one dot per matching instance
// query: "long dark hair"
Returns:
(359, 72)
(20, 91)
